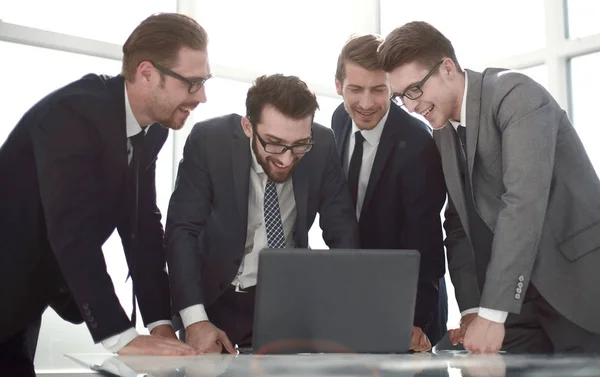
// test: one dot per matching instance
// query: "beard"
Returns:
(268, 167)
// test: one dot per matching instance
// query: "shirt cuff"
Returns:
(493, 315)
(469, 311)
(116, 342)
(193, 314)
(152, 325)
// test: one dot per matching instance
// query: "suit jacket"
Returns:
(63, 171)
(403, 203)
(535, 187)
(208, 213)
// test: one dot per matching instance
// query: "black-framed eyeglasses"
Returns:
(276, 148)
(413, 92)
(194, 86)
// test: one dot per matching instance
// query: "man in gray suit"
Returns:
(523, 216)
(245, 184)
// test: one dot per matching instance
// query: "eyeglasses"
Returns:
(413, 92)
(276, 148)
(194, 86)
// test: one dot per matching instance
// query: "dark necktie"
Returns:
(354, 166)
(273, 224)
(137, 143)
(481, 235)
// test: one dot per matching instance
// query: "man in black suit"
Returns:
(80, 163)
(245, 184)
(395, 177)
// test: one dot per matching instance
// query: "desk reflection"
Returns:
(452, 364)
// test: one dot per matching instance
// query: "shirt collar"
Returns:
(463, 107)
(132, 125)
(373, 135)
(255, 165)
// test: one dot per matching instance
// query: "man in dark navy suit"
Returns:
(79, 164)
(395, 178)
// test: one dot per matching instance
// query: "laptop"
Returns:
(335, 301)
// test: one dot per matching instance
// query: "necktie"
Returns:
(137, 143)
(273, 225)
(481, 235)
(354, 167)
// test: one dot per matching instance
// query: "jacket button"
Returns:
(85, 307)
(520, 285)
(518, 296)
(521, 278)
(519, 290)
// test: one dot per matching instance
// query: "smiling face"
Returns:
(170, 101)
(274, 127)
(442, 92)
(366, 95)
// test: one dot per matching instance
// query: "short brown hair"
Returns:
(159, 38)
(361, 50)
(287, 94)
(415, 41)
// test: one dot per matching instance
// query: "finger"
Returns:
(227, 343)
(453, 336)
(414, 342)
(419, 342)
(427, 344)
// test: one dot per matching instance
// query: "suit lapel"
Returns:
(342, 141)
(301, 182)
(116, 137)
(385, 148)
(153, 142)
(449, 149)
(240, 158)
(472, 121)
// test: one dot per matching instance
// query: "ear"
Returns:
(338, 87)
(145, 71)
(448, 67)
(247, 127)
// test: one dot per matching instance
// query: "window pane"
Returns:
(539, 73)
(273, 36)
(584, 81)
(327, 106)
(582, 18)
(478, 36)
(112, 21)
(20, 91)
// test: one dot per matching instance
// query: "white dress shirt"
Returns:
(489, 314)
(372, 138)
(256, 233)
(116, 342)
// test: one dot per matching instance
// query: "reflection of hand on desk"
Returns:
(474, 365)
(190, 366)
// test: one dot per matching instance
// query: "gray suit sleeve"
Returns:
(189, 209)
(528, 120)
(461, 263)
(336, 212)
